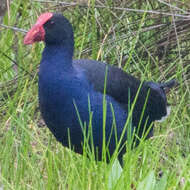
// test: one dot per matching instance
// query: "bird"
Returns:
(85, 97)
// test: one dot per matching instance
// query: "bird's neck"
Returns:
(58, 57)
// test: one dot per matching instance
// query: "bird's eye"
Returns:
(52, 22)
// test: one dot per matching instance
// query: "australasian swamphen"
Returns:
(69, 90)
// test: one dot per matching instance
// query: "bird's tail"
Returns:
(160, 108)
(166, 86)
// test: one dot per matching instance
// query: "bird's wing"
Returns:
(117, 82)
(124, 87)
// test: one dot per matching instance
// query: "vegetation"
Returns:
(149, 39)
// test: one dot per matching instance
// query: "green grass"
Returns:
(30, 157)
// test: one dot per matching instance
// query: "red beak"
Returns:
(37, 32)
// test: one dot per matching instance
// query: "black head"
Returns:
(51, 28)
(58, 30)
